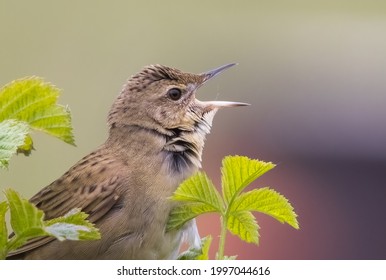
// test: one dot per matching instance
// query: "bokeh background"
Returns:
(314, 72)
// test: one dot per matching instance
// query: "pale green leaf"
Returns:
(12, 136)
(3, 230)
(267, 201)
(26, 220)
(229, 258)
(244, 225)
(238, 172)
(34, 101)
(27, 146)
(24, 215)
(199, 189)
(201, 253)
(185, 212)
(72, 226)
(205, 246)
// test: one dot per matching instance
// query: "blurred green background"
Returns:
(314, 72)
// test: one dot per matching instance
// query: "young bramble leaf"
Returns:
(72, 226)
(25, 217)
(229, 258)
(27, 146)
(198, 196)
(238, 172)
(269, 202)
(26, 220)
(205, 246)
(3, 230)
(185, 212)
(201, 253)
(33, 101)
(27, 104)
(199, 189)
(12, 136)
(244, 225)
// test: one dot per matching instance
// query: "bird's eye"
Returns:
(174, 94)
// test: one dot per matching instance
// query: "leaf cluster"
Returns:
(30, 104)
(198, 195)
(28, 222)
(25, 105)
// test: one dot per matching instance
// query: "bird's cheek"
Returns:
(190, 119)
(165, 117)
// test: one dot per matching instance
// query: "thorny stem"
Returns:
(221, 246)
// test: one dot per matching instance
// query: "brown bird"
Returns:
(157, 130)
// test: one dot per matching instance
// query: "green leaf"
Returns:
(3, 230)
(185, 212)
(244, 225)
(72, 226)
(229, 258)
(12, 136)
(24, 215)
(198, 196)
(34, 101)
(27, 222)
(238, 172)
(199, 189)
(27, 146)
(201, 253)
(26, 219)
(267, 201)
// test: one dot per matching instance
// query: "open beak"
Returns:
(218, 104)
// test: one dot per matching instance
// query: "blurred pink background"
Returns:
(314, 72)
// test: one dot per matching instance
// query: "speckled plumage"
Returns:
(155, 142)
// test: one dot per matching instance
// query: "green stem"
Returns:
(221, 246)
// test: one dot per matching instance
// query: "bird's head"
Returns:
(163, 99)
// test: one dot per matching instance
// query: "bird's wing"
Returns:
(94, 197)
(91, 185)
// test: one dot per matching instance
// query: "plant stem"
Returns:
(221, 246)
